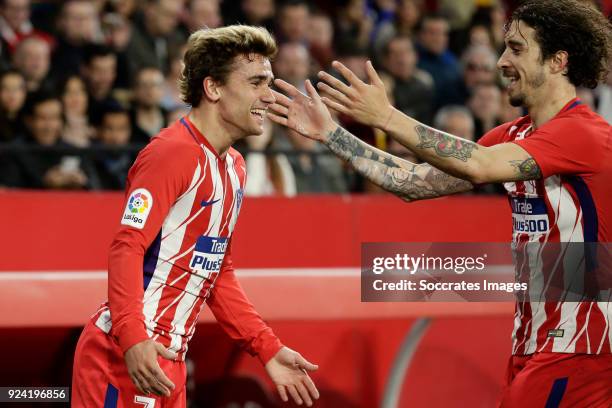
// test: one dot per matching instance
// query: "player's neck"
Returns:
(207, 122)
(549, 102)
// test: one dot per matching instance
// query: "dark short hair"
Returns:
(109, 107)
(93, 51)
(212, 53)
(431, 16)
(397, 37)
(39, 97)
(575, 27)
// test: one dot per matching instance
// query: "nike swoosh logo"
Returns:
(205, 203)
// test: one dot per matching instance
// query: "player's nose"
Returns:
(268, 96)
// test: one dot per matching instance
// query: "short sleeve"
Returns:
(565, 149)
(494, 136)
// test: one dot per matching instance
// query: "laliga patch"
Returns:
(138, 208)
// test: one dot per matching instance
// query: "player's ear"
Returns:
(212, 89)
(559, 62)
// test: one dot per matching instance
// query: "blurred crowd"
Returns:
(85, 84)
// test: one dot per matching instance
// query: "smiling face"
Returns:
(246, 95)
(521, 63)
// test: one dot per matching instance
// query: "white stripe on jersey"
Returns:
(570, 230)
(536, 285)
(606, 309)
(173, 232)
(235, 183)
(196, 281)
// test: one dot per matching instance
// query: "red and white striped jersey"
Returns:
(172, 251)
(572, 202)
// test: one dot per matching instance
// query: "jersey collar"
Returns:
(198, 136)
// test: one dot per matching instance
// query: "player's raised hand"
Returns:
(144, 370)
(289, 371)
(306, 114)
(366, 103)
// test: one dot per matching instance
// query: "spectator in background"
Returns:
(478, 66)
(154, 34)
(33, 59)
(99, 69)
(292, 63)
(603, 94)
(15, 25)
(314, 173)
(320, 40)
(202, 13)
(353, 23)
(12, 98)
(456, 120)
(125, 8)
(437, 60)
(147, 116)
(414, 90)
(77, 130)
(485, 104)
(355, 58)
(258, 12)
(44, 168)
(117, 31)
(292, 21)
(269, 174)
(114, 130)
(171, 98)
(407, 15)
(78, 25)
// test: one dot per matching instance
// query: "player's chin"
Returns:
(256, 128)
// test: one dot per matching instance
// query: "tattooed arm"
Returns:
(463, 158)
(368, 103)
(406, 180)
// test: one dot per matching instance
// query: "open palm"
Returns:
(289, 372)
(306, 114)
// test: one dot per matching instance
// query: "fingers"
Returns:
(152, 383)
(281, 120)
(335, 105)
(312, 92)
(309, 384)
(373, 75)
(152, 380)
(282, 392)
(347, 74)
(279, 109)
(337, 96)
(138, 385)
(335, 83)
(305, 364)
(281, 98)
(304, 394)
(294, 394)
(164, 352)
(161, 377)
(287, 88)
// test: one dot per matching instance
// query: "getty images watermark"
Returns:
(485, 272)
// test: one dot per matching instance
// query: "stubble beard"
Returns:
(521, 99)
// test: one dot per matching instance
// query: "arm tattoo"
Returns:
(526, 169)
(406, 180)
(445, 145)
